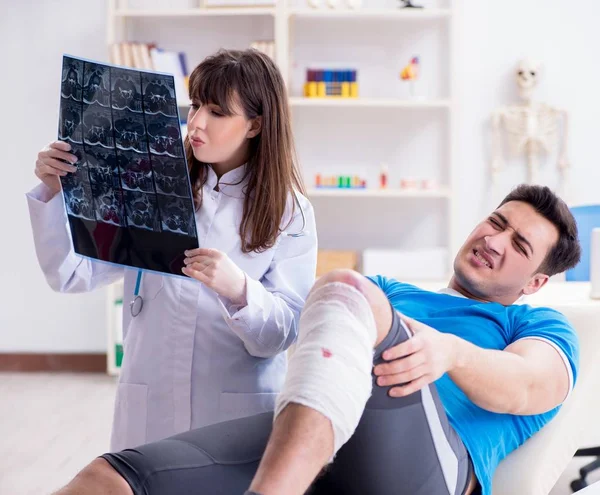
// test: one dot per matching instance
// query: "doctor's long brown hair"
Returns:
(271, 168)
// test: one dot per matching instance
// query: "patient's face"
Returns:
(499, 260)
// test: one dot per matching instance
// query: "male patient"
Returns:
(393, 389)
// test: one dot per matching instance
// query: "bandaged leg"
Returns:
(330, 370)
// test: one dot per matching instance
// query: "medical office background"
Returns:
(435, 141)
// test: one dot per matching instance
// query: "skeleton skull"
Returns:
(527, 76)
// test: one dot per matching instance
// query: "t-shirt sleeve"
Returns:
(380, 281)
(552, 327)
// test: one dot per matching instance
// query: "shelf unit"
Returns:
(284, 20)
(372, 107)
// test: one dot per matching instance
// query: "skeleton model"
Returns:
(531, 128)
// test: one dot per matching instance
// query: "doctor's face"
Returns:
(499, 260)
(218, 138)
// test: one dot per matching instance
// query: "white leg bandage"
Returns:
(330, 370)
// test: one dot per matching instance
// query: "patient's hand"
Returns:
(418, 361)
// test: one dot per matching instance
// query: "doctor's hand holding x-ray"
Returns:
(218, 272)
(49, 167)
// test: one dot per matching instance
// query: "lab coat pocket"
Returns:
(129, 425)
(233, 405)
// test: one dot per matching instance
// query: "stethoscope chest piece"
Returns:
(136, 306)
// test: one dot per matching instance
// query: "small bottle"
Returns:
(383, 177)
(321, 87)
(305, 88)
(318, 180)
(336, 84)
(328, 79)
(353, 84)
(345, 84)
(312, 84)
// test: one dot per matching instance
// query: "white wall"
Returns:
(33, 37)
(565, 36)
(493, 35)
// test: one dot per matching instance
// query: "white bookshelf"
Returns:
(435, 108)
(378, 25)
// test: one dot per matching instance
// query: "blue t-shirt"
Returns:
(488, 436)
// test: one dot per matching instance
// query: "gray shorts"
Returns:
(402, 446)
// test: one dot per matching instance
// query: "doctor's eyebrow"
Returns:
(518, 235)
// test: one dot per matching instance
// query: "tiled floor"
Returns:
(51, 425)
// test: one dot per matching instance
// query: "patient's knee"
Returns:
(100, 477)
(377, 300)
(343, 275)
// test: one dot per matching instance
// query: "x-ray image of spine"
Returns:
(78, 151)
(69, 125)
(97, 126)
(102, 164)
(78, 197)
(96, 84)
(72, 79)
(164, 135)
(177, 214)
(136, 171)
(170, 176)
(130, 200)
(141, 210)
(126, 90)
(130, 132)
(109, 205)
(159, 95)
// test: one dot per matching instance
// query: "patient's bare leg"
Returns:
(97, 478)
(303, 438)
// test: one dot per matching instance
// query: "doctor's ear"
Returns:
(255, 127)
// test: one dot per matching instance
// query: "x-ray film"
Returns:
(130, 201)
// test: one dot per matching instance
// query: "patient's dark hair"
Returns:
(566, 253)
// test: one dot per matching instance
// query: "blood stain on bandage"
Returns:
(326, 352)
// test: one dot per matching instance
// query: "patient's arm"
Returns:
(304, 436)
(527, 377)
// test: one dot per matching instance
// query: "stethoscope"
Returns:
(137, 303)
(302, 232)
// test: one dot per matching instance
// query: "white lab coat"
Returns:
(190, 357)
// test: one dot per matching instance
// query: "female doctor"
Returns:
(208, 346)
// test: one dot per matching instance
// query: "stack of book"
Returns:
(147, 56)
